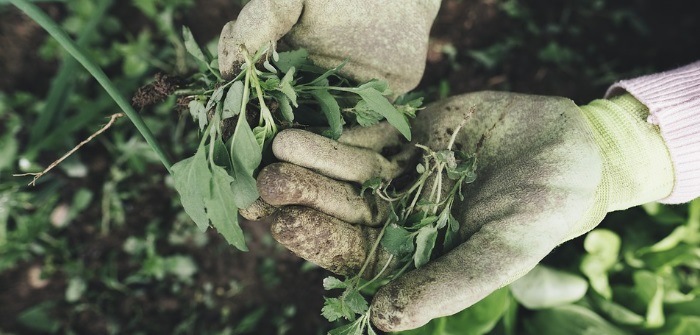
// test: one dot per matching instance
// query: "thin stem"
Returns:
(74, 50)
(378, 273)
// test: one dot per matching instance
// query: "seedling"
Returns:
(410, 233)
(269, 93)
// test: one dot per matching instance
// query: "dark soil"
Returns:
(648, 36)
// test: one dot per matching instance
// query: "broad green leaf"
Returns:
(245, 150)
(234, 100)
(292, 59)
(682, 325)
(330, 283)
(544, 287)
(397, 240)
(603, 247)
(478, 319)
(40, 317)
(221, 210)
(246, 155)
(356, 302)
(425, 242)
(380, 85)
(331, 110)
(377, 102)
(616, 312)
(221, 156)
(192, 180)
(191, 45)
(651, 289)
(570, 320)
(76, 288)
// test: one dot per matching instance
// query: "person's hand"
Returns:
(548, 171)
(380, 39)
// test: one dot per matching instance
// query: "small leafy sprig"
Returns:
(409, 234)
(272, 91)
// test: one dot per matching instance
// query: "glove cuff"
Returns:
(673, 98)
(637, 165)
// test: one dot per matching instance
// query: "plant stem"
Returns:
(74, 50)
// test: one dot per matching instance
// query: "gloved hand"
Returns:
(381, 39)
(548, 171)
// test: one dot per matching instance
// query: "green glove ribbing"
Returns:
(632, 151)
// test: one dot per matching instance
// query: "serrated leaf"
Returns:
(365, 116)
(234, 100)
(331, 110)
(191, 45)
(425, 242)
(397, 240)
(356, 302)
(377, 102)
(221, 212)
(335, 309)
(331, 283)
(354, 328)
(192, 178)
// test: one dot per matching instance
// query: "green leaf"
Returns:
(321, 80)
(377, 102)
(356, 302)
(76, 288)
(682, 325)
(425, 242)
(603, 247)
(366, 116)
(233, 100)
(331, 110)
(335, 309)
(380, 86)
(569, 320)
(221, 211)
(331, 283)
(192, 178)
(40, 318)
(372, 184)
(191, 45)
(215, 98)
(198, 112)
(544, 287)
(292, 59)
(285, 86)
(354, 328)
(246, 155)
(617, 313)
(285, 107)
(397, 240)
(478, 319)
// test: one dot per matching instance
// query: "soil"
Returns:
(667, 38)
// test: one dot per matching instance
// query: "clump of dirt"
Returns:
(155, 92)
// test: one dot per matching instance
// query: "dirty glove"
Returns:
(380, 39)
(548, 171)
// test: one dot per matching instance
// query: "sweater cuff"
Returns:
(673, 99)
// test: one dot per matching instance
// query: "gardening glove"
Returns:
(548, 171)
(379, 39)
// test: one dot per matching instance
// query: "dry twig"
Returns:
(38, 175)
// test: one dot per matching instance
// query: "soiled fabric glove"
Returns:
(548, 171)
(380, 39)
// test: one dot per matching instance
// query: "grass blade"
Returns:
(74, 50)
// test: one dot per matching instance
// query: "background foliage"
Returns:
(100, 245)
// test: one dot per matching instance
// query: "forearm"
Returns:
(673, 99)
